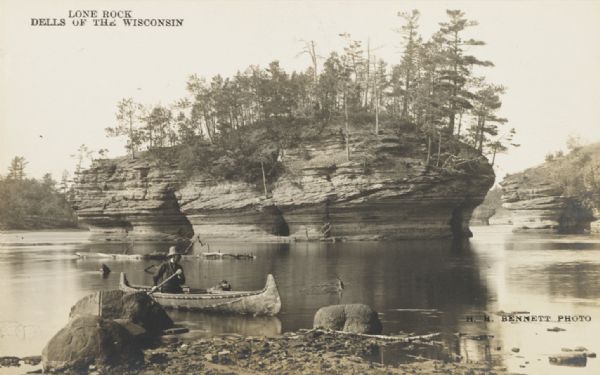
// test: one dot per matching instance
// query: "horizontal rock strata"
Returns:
(385, 191)
(130, 199)
(541, 206)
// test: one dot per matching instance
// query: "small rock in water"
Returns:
(175, 331)
(481, 337)
(9, 361)
(555, 329)
(516, 350)
(578, 359)
(32, 360)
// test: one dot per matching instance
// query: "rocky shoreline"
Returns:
(112, 332)
(313, 351)
(302, 352)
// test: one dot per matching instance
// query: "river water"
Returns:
(417, 287)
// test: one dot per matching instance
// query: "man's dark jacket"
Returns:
(164, 272)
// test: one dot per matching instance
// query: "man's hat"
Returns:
(172, 252)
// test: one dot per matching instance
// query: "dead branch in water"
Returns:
(428, 337)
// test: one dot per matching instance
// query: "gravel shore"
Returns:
(303, 352)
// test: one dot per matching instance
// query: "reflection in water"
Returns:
(572, 279)
(418, 287)
(203, 324)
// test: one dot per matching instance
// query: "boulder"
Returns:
(356, 318)
(91, 340)
(138, 308)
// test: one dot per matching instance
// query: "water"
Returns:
(417, 286)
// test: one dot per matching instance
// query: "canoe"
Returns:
(258, 302)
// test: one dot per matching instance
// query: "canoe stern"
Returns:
(272, 300)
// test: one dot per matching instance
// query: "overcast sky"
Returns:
(60, 85)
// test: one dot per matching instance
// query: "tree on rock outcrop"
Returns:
(429, 109)
(501, 142)
(157, 127)
(431, 91)
(407, 70)
(128, 117)
(458, 65)
(83, 153)
(486, 103)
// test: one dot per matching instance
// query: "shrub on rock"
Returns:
(356, 318)
(139, 308)
(88, 340)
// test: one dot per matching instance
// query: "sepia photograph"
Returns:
(299, 187)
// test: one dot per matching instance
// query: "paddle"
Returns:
(192, 244)
(155, 288)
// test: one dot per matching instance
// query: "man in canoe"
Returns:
(172, 272)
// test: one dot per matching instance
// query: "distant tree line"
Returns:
(237, 127)
(28, 203)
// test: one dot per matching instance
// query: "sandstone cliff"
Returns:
(122, 199)
(385, 191)
(559, 196)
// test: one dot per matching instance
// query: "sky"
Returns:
(59, 85)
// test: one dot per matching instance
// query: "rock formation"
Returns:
(385, 191)
(538, 202)
(130, 199)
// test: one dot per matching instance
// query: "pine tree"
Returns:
(128, 115)
(408, 65)
(458, 65)
(16, 169)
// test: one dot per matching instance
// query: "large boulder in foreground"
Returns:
(356, 318)
(138, 308)
(88, 340)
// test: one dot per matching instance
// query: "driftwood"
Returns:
(152, 256)
(219, 255)
(428, 337)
